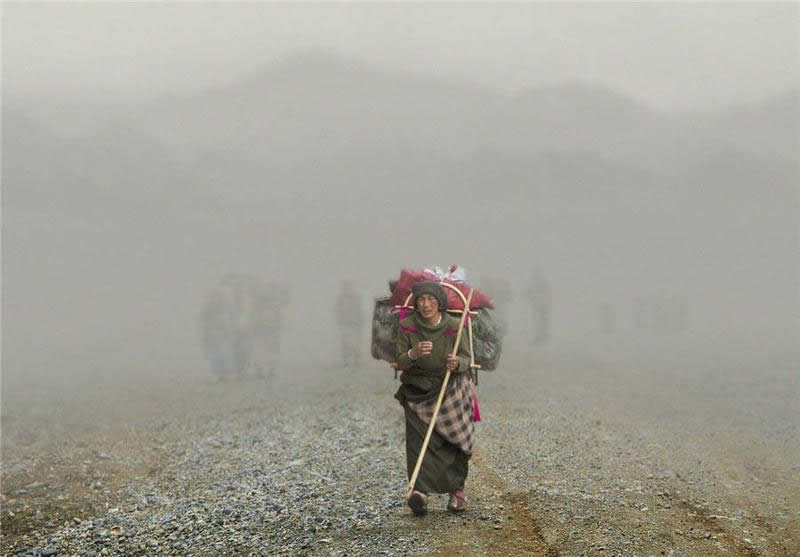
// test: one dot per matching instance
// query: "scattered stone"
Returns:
(329, 477)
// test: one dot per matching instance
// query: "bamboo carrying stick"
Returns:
(413, 479)
(472, 365)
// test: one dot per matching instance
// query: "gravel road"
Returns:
(574, 458)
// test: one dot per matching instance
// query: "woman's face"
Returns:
(427, 306)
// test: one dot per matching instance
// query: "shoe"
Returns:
(418, 503)
(458, 501)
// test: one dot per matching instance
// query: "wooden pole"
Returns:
(413, 479)
(472, 365)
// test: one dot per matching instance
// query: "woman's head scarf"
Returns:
(432, 288)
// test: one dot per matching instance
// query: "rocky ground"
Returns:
(574, 458)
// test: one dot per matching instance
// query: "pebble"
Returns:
(248, 493)
(327, 477)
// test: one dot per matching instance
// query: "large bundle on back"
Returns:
(389, 310)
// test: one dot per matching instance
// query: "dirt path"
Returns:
(575, 466)
(514, 530)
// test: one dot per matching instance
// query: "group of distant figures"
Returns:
(241, 324)
(653, 314)
(538, 297)
(243, 319)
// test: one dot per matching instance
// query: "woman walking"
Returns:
(424, 350)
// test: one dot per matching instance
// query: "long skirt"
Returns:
(445, 466)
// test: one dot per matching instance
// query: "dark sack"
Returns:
(385, 325)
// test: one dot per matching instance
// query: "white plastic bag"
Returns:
(456, 273)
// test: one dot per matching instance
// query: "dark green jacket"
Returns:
(422, 378)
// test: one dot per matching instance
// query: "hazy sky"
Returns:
(676, 55)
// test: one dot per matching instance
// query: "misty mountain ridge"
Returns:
(319, 103)
(328, 121)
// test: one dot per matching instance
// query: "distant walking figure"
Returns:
(350, 319)
(540, 297)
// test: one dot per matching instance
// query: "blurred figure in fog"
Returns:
(350, 319)
(267, 325)
(641, 314)
(500, 291)
(606, 318)
(219, 332)
(242, 326)
(540, 297)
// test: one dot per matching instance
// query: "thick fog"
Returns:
(644, 159)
